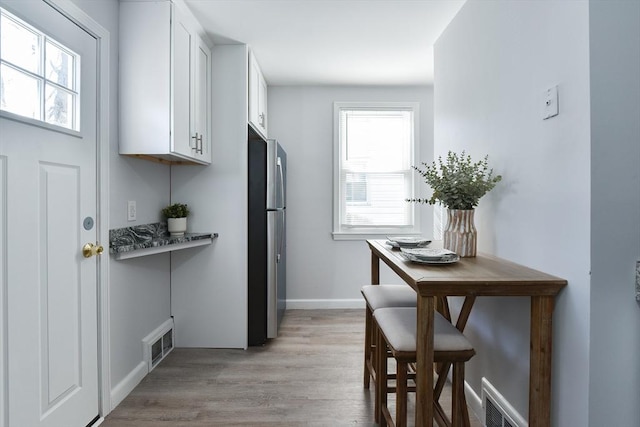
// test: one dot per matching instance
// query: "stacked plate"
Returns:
(407, 242)
(430, 255)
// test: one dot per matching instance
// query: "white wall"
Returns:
(492, 66)
(322, 272)
(139, 288)
(614, 34)
(209, 285)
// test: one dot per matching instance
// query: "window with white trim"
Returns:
(39, 77)
(374, 148)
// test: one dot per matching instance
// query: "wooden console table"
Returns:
(483, 275)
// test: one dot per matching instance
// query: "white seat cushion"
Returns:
(380, 296)
(398, 324)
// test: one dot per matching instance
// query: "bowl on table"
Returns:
(407, 242)
(430, 255)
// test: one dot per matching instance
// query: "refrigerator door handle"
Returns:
(281, 175)
(281, 237)
(272, 150)
(272, 276)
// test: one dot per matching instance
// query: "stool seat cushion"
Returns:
(398, 324)
(380, 296)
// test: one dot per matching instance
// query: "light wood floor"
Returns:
(311, 375)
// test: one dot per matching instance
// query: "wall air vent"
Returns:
(158, 344)
(497, 412)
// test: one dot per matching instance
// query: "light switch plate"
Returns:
(550, 108)
(131, 210)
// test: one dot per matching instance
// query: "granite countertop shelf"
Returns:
(150, 239)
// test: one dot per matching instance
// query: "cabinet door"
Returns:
(145, 78)
(202, 100)
(254, 79)
(257, 97)
(181, 141)
(262, 104)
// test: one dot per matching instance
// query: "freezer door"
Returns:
(272, 273)
(276, 271)
(281, 265)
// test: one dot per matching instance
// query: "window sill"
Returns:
(342, 235)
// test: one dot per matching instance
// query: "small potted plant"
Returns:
(176, 215)
(458, 184)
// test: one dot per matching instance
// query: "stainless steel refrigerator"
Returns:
(267, 241)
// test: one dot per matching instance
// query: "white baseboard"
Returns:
(126, 386)
(474, 402)
(324, 303)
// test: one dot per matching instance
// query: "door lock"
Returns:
(89, 250)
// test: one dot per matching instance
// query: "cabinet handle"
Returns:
(199, 140)
(262, 119)
(199, 145)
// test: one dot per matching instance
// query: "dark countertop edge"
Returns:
(162, 241)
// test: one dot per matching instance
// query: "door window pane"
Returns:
(59, 66)
(20, 46)
(19, 93)
(58, 107)
(37, 84)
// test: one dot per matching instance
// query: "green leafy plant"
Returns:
(458, 182)
(176, 210)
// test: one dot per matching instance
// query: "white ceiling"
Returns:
(333, 42)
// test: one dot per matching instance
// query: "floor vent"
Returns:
(497, 411)
(158, 344)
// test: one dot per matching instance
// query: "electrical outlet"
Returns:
(131, 210)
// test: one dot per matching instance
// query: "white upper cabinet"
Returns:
(165, 83)
(257, 97)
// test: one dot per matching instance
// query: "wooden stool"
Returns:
(380, 296)
(396, 331)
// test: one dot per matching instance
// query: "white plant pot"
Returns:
(461, 236)
(177, 226)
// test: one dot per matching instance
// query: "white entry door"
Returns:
(49, 207)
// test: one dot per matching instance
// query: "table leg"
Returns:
(375, 269)
(443, 368)
(540, 361)
(465, 312)
(424, 355)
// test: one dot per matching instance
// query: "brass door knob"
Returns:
(90, 250)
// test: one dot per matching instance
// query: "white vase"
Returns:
(177, 226)
(460, 236)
